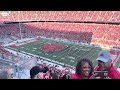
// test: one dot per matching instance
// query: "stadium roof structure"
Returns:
(89, 22)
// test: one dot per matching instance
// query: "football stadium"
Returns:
(56, 39)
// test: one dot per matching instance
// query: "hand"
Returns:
(93, 77)
(97, 77)
(108, 78)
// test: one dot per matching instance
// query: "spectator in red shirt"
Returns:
(105, 64)
(84, 69)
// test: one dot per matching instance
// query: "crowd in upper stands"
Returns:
(79, 32)
(73, 31)
(99, 16)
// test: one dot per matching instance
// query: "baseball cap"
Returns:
(35, 70)
(104, 56)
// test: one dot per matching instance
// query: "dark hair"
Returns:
(35, 70)
(79, 64)
(66, 76)
(46, 69)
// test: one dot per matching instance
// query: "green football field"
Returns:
(69, 55)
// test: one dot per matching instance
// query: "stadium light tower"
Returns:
(20, 30)
(19, 25)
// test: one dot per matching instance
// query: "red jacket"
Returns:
(113, 73)
(76, 76)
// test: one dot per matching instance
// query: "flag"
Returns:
(115, 56)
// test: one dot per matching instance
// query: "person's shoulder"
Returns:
(75, 76)
(112, 68)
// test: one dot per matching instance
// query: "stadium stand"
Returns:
(12, 30)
